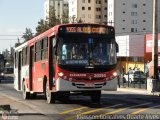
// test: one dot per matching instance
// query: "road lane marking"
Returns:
(95, 110)
(122, 109)
(91, 111)
(115, 111)
(144, 109)
(72, 110)
(139, 111)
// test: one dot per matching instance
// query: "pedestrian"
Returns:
(123, 70)
(130, 71)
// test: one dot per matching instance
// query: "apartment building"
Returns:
(88, 11)
(60, 6)
(131, 16)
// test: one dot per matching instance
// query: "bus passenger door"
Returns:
(52, 61)
(19, 69)
(31, 62)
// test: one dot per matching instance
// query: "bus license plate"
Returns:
(89, 85)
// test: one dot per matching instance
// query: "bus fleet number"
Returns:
(99, 75)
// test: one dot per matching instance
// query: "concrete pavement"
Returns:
(21, 107)
(11, 109)
(135, 90)
(22, 111)
(15, 105)
(139, 91)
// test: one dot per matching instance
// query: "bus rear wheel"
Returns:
(51, 97)
(26, 95)
(95, 96)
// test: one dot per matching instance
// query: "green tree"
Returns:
(52, 19)
(80, 21)
(28, 34)
(73, 19)
(65, 18)
(41, 27)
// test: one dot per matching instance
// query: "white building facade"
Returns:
(88, 11)
(131, 51)
(131, 16)
(60, 6)
(131, 45)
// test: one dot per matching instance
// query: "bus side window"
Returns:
(44, 48)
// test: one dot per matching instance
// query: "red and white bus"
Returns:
(66, 59)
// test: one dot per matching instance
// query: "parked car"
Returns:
(137, 76)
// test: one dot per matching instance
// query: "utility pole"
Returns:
(155, 40)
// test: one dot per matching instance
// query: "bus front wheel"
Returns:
(95, 96)
(50, 95)
(26, 94)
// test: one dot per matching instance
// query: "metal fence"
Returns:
(122, 83)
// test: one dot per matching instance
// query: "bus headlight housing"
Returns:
(115, 74)
(60, 74)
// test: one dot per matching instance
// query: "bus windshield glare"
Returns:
(86, 51)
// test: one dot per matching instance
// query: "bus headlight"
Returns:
(115, 74)
(60, 74)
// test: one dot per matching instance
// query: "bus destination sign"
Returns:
(89, 30)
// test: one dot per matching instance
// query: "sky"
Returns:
(15, 16)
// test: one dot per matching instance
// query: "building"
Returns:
(148, 47)
(88, 11)
(60, 6)
(131, 51)
(131, 16)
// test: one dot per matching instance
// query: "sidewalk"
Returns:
(11, 109)
(14, 105)
(138, 91)
(134, 90)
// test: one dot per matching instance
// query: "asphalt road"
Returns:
(117, 105)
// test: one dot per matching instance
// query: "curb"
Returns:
(135, 90)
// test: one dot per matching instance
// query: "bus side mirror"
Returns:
(117, 48)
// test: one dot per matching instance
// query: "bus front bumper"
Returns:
(64, 85)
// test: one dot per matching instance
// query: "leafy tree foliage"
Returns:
(42, 26)
(80, 21)
(53, 19)
(73, 19)
(65, 18)
(28, 34)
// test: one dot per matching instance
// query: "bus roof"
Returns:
(53, 31)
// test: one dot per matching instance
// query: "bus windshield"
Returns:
(86, 51)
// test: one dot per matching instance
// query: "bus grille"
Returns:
(83, 85)
(80, 79)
